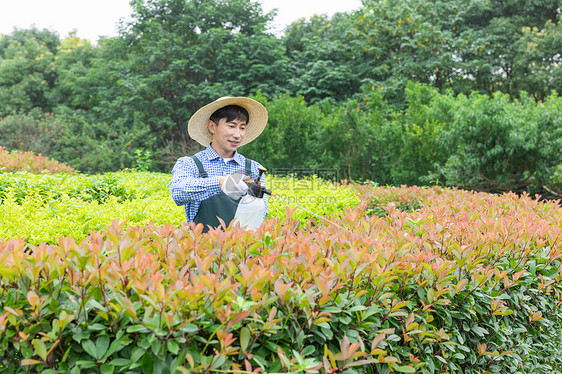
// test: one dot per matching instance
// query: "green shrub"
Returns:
(40, 208)
(74, 138)
(292, 137)
(87, 188)
(496, 144)
(35, 131)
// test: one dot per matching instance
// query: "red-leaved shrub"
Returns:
(11, 162)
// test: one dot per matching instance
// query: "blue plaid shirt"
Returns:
(189, 189)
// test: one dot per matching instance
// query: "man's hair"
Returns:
(230, 112)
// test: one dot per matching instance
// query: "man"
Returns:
(212, 184)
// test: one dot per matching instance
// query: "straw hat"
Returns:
(197, 126)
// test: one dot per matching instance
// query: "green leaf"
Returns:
(85, 364)
(532, 267)
(262, 362)
(120, 362)
(431, 366)
(40, 348)
(357, 308)
(406, 369)
(137, 354)
(156, 346)
(116, 346)
(244, 338)
(146, 364)
(137, 328)
(173, 347)
(102, 343)
(479, 330)
(327, 333)
(97, 305)
(107, 369)
(345, 319)
(308, 350)
(189, 328)
(97, 327)
(331, 309)
(90, 348)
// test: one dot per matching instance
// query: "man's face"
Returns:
(227, 135)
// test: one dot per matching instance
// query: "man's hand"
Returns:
(233, 185)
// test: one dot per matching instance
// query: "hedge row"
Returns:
(462, 282)
(41, 208)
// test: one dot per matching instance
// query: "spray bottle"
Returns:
(256, 188)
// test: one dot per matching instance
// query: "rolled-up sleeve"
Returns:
(187, 186)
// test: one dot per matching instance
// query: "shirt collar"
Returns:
(212, 154)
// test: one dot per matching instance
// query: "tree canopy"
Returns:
(133, 94)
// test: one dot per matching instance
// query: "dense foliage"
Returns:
(42, 208)
(470, 141)
(100, 273)
(463, 282)
(127, 99)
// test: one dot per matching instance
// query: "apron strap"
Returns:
(202, 172)
(222, 206)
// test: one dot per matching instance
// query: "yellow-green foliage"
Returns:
(40, 208)
(313, 197)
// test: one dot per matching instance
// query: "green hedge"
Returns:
(41, 208)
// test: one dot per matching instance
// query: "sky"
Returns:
(94, 18)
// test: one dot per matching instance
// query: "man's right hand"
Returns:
(233, 185)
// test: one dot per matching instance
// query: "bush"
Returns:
(469, 282)
(496, 144)
(26, 161)
(41, 208)
(99, 188)
(74, 138)
(36, 132)
(492, 144)
(291, 139)
(93, 147)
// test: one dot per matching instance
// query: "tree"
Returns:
(449, 44)
(321, 66)
(49, 39)
(73, 60)
(27, 77)
(175, 56)
(538, 63)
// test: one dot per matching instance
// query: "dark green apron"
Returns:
(219, 205)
